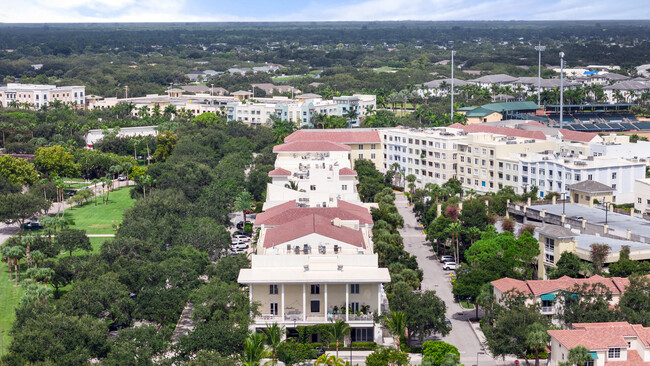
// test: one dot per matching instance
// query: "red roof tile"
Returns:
(615, 285)
(288, 212)
(507, 284)
(279, 171)
(577, 136)
(348, 136)
(312, 224)
(311, 146)
(347, 171)
(633, 359)
(599, 335)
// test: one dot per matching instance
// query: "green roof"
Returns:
(510, 106)
(465, 108)
(480, 112)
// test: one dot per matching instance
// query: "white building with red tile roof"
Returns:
(609, 344)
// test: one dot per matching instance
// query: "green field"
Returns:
(286, 78)
(100, 219)
(9, 296)
(385, 69)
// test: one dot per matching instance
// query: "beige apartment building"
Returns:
(36, 96)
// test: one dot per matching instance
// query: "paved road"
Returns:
(462, 335)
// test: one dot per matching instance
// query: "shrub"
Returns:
(364, 345)
(437, 350)
(542, 355)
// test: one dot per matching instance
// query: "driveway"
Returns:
(462, 335)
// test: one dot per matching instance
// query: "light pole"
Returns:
(561, 89)
(452, 85)
(126, 92)
(606, 209)
(478, 353)
(563, 201)
(540, 49)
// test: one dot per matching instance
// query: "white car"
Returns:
(242, 246)
(449, 266)
(239, 239)
(447, 258)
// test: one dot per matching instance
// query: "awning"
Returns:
(548, 297)
(594, 355)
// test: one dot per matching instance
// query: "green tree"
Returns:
(396, 326)
(598, 254)
(291, 352)
(338, 330)
(569, 265)
(537, 338)
(243, 203)
(634, 304)
(274, 334)
(73, 239)
(166, 141)
(136, 346)
(254, 349)
(18, 207)
(586, 303)
(55, 160)
(579, 356)
(434, 352)
(17, 170)
(383, 356)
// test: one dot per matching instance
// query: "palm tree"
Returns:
(579, 356)
(470, 192)
(5, 254)
(274, 333)
(454, 230)
(95, 182)
(27, 241)
(351, 114)
(126, 168)
(243, 203)
(292, 185)
(254, 349)
(411, 179)
(537, 338)
(108, 183)
(338, 330)
(44, 184)
(37, 255)
(331, 360)
(16, 253)
(396, 325)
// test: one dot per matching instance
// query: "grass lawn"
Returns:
(100, 219)
(385, 69)
(466, 304)
(9, 296)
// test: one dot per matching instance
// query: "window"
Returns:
(549, 250)
(273, 289)
(614, 175)
(362, 335)
(360, 147)
(354, 288)
(312, 187)
(315, 289)
(590, 177)
(590, 363)
(315, 306)
(274, 308)
(344, 187)
(638, 200)
(614, 353)
(372, 156)
(360, 156)
(577, 177)
(354, 306)
(372, 146)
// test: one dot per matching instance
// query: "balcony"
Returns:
(353, 317)
(548, 310)
(296, 316)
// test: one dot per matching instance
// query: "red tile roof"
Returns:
(533, 123)
(616, 285)
(633, 359)
(312, 224)
(311, 146)
(577, 136)
(600, 335)
(478, 128)
(279, 171)
(347, 171)
(348, 136)
(289, 212)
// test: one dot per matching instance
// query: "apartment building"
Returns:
(609, 344)
(546, 292)
(555, 240)
(314, 261)
(642, 195)
(315, 174)
(364, 143)
(36, 96)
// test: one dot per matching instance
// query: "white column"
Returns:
(250, 297)
(304, 303)
(347, 302)
(325, 302)
(379, 299)
(282, 304)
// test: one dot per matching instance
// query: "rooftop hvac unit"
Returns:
(296, 250)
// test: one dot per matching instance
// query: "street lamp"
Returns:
(540, 49)
(452, 85)
(478, 353)
(606, 209)
(561, 89)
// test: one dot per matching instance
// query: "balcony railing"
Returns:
(548, 310)
(298, 317)
(353, 317)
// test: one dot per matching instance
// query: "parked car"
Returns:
(241, 237)
(238, 250)
(447, 258)
(242, 246)
(122, 177)
(70, 193)
(240, 241)
(449, 266)
(318, 352)
(240, 225)
(32, 225)
(242, 232)
(448, 322)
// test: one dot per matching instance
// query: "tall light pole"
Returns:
(540, 49)
(452, 85)
(126, 92)
(561, 89)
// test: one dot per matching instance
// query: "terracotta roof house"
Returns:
(609, 344)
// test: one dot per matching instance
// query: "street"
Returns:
(462, 335)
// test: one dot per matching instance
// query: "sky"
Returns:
(84, 11)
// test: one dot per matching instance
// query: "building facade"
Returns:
(37, 96)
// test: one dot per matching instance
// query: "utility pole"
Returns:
(126, 92)
(539, 49)
(561, 89)
(452, 85)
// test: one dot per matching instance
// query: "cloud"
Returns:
(52, 11)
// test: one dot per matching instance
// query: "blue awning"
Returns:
(548, 297)
(594, 355)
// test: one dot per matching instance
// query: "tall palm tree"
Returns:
(454, 230)
(44, 184)
(16, 253)
(537, 338)
(274, 333)
(331, 360)
(254, 349)
(338, 330)
(27, 241)
(396, 325)
(579, 356)
(243, 203)
(411, 179)
(471, 193)
(5, 254)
